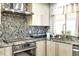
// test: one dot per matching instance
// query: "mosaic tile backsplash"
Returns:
(15, 26)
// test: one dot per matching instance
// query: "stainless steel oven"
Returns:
(25, 49)
(75, 50)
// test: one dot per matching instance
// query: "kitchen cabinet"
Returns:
(51, 48)
(40, 48)
(2, 51)
(56, 9)
(58, 49)
(41, 14)
(8, 51)
(65, 49)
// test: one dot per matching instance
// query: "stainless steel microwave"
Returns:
(15, 6)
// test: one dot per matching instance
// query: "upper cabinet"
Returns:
(41, 14)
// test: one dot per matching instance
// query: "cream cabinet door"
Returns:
(65, 49)
(45, 19)
(2, 51)
(40, 48)
(57, 49)
(50, 48)
(41, 14)
(36, 20)
(8, 51)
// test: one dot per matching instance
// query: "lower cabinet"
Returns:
(2, 51)
(58, 49)
(65, 49)
(51, 48)
(40, 48)
(6, 51)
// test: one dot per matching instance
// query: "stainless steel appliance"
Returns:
(24, 49)
(19, 8)
(75, 50)
(15, 6)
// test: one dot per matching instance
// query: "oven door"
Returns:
(75, 52)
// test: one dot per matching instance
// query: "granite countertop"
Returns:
(30, 39)
(75, 42)
(20, 41)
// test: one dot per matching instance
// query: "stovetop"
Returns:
(16, 40)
